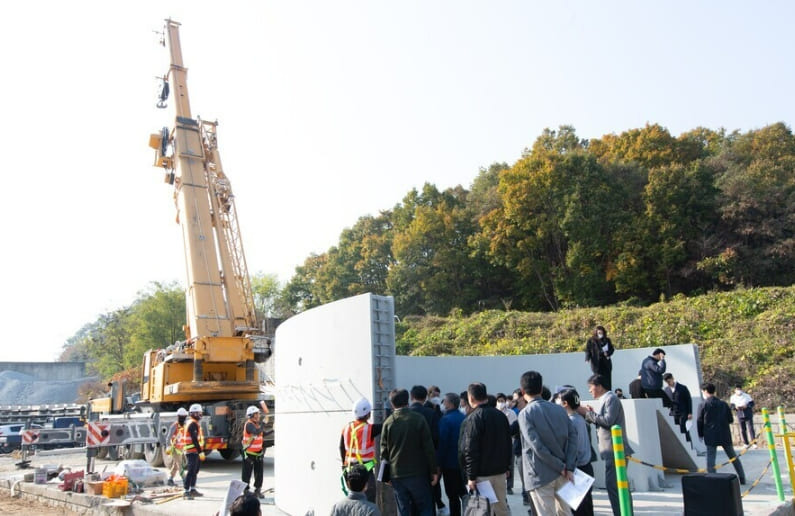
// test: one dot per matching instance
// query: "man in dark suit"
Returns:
(419, 398)
(681, 403)
(714, 418)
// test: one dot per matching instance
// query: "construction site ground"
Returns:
(32, 499)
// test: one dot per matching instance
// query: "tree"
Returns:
(758, 206)
(108, 343)
(155, 320)
(651, 146)
(301, 292)
(117, 340)
(267, 292)
(484, 195)
(433, 272)
(681, 212)
(554, 223)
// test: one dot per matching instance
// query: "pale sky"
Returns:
(328, 111)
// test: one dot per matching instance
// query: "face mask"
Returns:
(181, 419)
(500, 405)
(462, 410)
(436, 401)
(443, 408)
(600, 335)
(738, 392)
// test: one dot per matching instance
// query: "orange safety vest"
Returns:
(359, 443)
(187, 442)
(254, 442)
(176, 440)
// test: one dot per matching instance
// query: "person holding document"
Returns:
(570, 400)
(549, 447)
(484, 449)
(610, 413)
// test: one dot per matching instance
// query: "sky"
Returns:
(328, 111)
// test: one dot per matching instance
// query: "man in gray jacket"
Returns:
(356, 503)
(549, 447)
(610, 413)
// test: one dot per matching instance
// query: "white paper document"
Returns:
(236, 488)
(573, 493)
(485, 489)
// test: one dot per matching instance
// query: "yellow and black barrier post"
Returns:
(771, 445)
(785, 436)
(622, 480)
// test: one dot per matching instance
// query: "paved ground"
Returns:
(216, 475)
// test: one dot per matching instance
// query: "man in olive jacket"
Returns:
(484, 447)
(407, 446)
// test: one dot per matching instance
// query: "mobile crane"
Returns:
(215, 365)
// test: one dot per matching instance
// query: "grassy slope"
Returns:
(747, 335)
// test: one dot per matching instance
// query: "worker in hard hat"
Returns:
(254, 448)
(357, 443)
(175, 445)
(193, 447)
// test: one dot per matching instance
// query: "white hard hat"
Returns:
(195, 408)
(182, 412)
(361, 408)
(251, 410)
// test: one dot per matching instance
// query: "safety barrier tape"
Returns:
(699, 470)
(759, 479)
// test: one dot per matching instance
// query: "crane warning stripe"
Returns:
(28, 436)
(94, 435)
(214, 443)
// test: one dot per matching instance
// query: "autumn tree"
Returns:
(758, 207)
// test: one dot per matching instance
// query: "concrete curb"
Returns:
(50, 495)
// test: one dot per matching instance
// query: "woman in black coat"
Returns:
(598, 351)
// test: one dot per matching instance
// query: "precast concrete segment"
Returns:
(328, 358)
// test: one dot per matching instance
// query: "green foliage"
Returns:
(758, 208)
(746, 335)
(116, 341)
(268, 300)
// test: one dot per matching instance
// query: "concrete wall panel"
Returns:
(325, 363)
(502, 373)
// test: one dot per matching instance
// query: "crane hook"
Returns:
(163, 95)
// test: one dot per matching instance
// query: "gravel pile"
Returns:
(22, 389)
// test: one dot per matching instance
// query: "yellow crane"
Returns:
(223, 337)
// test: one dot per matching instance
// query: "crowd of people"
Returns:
(464, 439)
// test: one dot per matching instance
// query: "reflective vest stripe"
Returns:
(359, 443)
(254, 442)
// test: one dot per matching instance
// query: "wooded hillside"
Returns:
(574, 222)
(746, 336)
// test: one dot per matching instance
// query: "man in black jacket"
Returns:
(714, 418)
(421, 405)
(681, 403)
(651, 372)
(484, 447)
